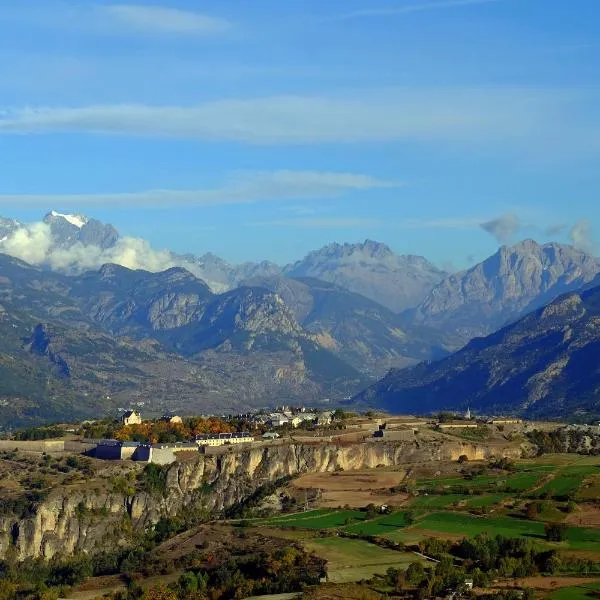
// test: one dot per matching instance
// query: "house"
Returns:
(184, 447)
(325, 418)
(172, 419)
(131, 417)
(222, 439)
(117, 450)
(277, 420)
(508, 421)
(457, 425)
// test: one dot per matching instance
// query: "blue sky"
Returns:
(263, 130)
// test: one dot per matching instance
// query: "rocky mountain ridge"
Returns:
(509, 284)
(121, 336)
(369, 268)
(544, 365)
(372, 270)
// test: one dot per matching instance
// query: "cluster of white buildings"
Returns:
(294, 417)
(223, 439)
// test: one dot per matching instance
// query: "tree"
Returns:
(415, 573)
(556, 532)
(371, 511)
(463, 458)
(553, 564)
(160, 592)
(188, 582)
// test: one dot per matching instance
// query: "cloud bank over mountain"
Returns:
(35, 244)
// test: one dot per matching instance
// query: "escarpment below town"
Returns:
(105, 516)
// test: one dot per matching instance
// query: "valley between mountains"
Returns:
(81, 335)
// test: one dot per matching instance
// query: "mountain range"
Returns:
(255, 334)
(544, 365)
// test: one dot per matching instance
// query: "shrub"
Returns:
(556, 532)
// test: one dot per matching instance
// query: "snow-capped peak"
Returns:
(78, 220)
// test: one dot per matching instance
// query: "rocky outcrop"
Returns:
(99, 517)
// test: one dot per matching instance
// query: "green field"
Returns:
(458, 482)
(433, 501)
(567, 481)
(309, 514)
(329, 519)
(350, 560)
(469, 525)
(578, 538)
(485, 500)
(579, 592)
(521, 482)
(382, 526)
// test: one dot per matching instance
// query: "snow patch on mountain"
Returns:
(78, 221)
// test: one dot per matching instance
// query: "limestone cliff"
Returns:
(92, 519)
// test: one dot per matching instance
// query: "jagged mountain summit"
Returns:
(7, 228)
(69, 229)
(373, 270)
(509, 284)
(544, 365)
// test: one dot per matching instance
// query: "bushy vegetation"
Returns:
(38, 433)
(153, 479)
(156, 431)
(564, 440)
(266, 572)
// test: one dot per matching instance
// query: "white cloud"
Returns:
(104, 19)
(581, 236)
(488, 114)
(409, 8)
(244, 188)
(163, 20)
(35, 245)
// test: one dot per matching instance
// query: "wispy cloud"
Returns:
(486, 114)
(121, 19)
(243, 188)
(365, 222)
(408, 9)
(503, 228)
(162, 20)
(322, 223)
(581, 236)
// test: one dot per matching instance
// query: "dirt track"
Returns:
(354, 488)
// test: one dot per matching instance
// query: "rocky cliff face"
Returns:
(91, 519)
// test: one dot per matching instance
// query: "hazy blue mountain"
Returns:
(544, 365)
(372, 270)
